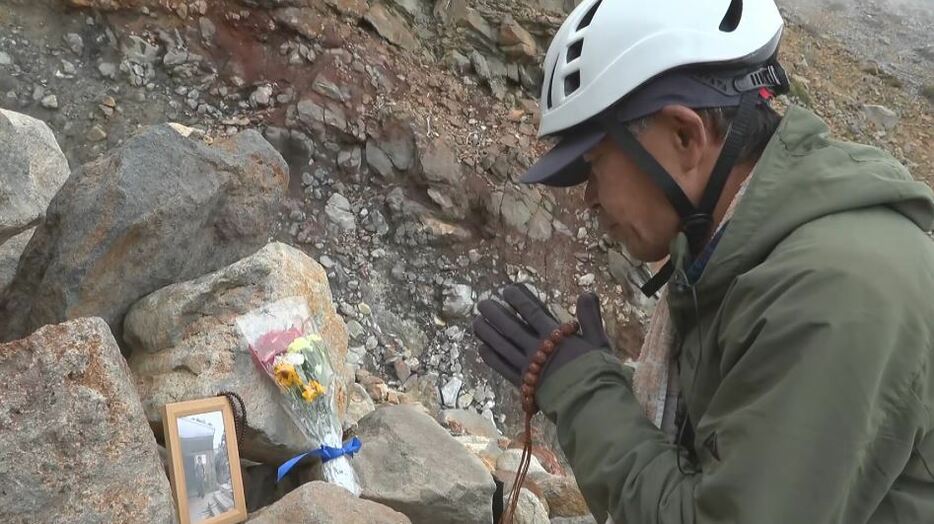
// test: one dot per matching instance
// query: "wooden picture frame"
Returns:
(205, 493)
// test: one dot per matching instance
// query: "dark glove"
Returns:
(510, 341)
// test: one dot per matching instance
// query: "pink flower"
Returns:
(273, 343)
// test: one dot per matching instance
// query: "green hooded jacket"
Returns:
(804, 360)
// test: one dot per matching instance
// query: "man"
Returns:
(200, 475)
(787, 374)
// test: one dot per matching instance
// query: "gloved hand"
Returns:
(510, 341)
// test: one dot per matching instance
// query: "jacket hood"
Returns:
(801, 176)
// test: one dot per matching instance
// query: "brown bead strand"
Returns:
(530, 382)
(239, 412)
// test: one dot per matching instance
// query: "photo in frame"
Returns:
(201, 441)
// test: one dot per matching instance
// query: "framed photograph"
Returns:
(201, 441)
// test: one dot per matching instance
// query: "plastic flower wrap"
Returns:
(285, 344)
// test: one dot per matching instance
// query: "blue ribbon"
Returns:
(325, 453)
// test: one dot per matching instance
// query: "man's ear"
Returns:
(689, 135)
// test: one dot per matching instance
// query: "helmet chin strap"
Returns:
(697, 222)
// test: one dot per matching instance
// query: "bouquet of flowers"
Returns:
(286, 345)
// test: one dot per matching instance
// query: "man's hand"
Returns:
(510, 340)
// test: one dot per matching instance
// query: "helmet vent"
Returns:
(551, 83)
(733, 15)
(574, 50)
(572, 82)
(589, 16)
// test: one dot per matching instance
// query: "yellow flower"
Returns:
(286, 375)
(298, 344)
(313, 389)
(314, 337)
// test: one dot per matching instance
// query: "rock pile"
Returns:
(160, 209)
(140, 221)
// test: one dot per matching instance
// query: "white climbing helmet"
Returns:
(607, 48)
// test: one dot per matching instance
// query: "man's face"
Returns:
(631, 208)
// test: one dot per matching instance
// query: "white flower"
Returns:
(296, 359)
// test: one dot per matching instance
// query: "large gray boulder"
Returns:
(411, 464)
(10, 251)
(185, 343)
(161, 209)
(73, 437)
(33, 170)
(322, 503)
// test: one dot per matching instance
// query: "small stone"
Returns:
(107, 70)
(586, 280)
(355, 355)
(391, 27)
(403, 372)
(96, 134)
(359, 406)
(5, 59)
(262, 96)
(174, 57)
(458, 62)
(75, 42)
(339, 212)
(458, 301)
(377, 159)
(454, 334)
(208, 29)
(68, 68)
(481, 66)
(515, 40)
(50, 102)
(881, 116)
(465, 400)
(371, 343)
(350, 159)
(329, 89)
(450, 391)
(310, 112)
(474, 256)
(109, 101)
(326, 262)
(355, 330)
